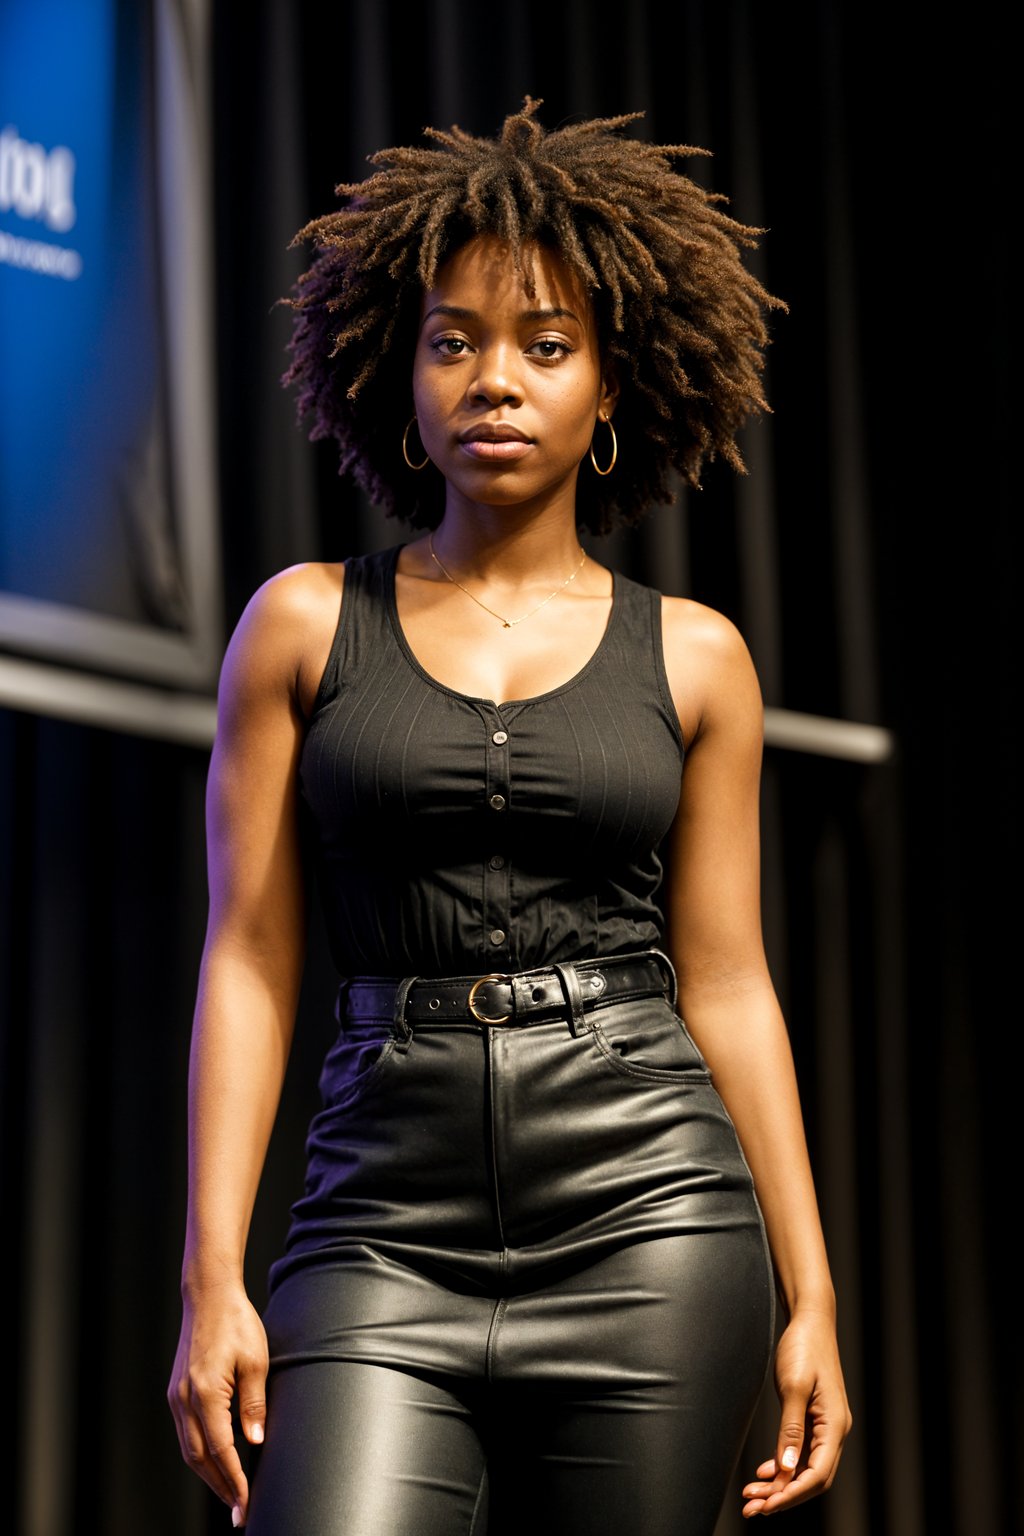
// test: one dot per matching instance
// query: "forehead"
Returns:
(484, 269)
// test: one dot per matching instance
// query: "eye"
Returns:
(550, 349)
(449, 346)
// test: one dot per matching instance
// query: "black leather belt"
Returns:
(519, 998)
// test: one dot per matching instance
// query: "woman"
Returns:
(529, 1281)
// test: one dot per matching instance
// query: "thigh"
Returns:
(623, 1395)
(355, 1449)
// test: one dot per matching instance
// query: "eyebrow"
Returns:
(457, 312)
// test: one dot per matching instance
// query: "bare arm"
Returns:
(729, 1004)
(249, 981)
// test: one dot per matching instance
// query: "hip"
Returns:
(516, 1146)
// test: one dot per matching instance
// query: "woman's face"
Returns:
(507, 388)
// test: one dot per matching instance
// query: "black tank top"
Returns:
(454, 835)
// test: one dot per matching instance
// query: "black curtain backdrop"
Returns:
(869, 560)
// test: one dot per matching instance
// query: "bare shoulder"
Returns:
(282, 640)
(711, 673)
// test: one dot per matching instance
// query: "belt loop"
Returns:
(339, 1001)
(670, 968)
(573, 996)
(402, 1028)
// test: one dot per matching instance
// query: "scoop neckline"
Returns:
(470, 698)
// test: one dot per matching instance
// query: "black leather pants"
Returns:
(527, 1288)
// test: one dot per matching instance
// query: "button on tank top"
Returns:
(455, 835)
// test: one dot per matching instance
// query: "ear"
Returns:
(609, 392)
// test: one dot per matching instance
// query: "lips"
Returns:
(493, 432)
(495, 441)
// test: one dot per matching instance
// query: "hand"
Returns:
(815, 1420)
(222, 1346)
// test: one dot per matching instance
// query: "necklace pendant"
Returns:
(506, 623)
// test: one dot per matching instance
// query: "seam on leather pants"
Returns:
(503, 1255)
(479, 1501)
(492, 1334)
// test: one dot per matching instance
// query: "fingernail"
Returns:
(236, 1514)
(789, 1457)
(256, 1434)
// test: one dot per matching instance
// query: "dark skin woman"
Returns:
(567, 319)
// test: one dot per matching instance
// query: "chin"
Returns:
(501, 488)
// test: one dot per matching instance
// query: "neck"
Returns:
(507, 548)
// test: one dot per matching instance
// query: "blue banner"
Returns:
(86, 504)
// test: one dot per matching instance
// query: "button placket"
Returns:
(497, 914)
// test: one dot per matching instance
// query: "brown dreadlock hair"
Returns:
(679, 317)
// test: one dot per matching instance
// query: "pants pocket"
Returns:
(648, 1039)
(353, 1062)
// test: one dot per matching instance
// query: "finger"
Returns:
(759, 1486)
(226, 1460)
(777, 1474)
(792, 1427)
(757, 1495)
(252, 1400)
(822, 1462)
(811, 1480)
(804, 1485)
(192, 1442)
(197, 1455)
(214, 1415)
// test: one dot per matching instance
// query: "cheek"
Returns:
(425, 410)
(432, 391)
(576, 405)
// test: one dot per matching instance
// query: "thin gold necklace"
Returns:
(508, 623)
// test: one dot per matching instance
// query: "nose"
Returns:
(496, 380)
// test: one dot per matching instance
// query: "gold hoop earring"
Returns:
(405, 448)
(615, 448)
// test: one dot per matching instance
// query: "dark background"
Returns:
(870, 561)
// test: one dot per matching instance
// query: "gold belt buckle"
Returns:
(471, 1000)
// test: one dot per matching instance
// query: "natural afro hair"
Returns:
(680, 319)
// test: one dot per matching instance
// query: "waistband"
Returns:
(510, 999)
